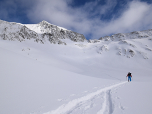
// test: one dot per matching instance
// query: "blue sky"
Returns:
(93, 18)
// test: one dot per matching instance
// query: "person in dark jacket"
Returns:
(129, 76)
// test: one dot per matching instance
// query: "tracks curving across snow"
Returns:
(99, 102)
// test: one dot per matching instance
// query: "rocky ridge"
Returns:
(125, 36)
(54, 34)
(129, 45)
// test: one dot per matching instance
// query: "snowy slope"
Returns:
(81, 77)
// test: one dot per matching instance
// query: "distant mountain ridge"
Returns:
(39, 32)
(137, 43)
(44, 30)
(132, 35)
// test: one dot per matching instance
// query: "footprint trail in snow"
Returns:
(99, 102)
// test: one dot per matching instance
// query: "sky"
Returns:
(92, 18)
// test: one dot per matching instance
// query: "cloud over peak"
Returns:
(93, 19)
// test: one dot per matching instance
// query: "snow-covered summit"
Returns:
(45, 24)
(56, 32)
(42, 27)
(16, 31)
(41, 32)
(125, 36)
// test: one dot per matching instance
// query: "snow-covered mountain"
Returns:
(131, 44)
(40, 76)
(125, 36)
(41, 32)
(128, 44)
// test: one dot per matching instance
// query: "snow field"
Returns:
(79, 78)
(35, 86)
(80, 105)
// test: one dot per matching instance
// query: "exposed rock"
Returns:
(135, 32)
(132, 45)
(107, 38)
(61, 33)
(101, 38)
(132, 35)
(49, 32)
(81, 45)
(102, 49)
(125, 42)
(119, 35)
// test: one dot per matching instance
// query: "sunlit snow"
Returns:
(81, 77)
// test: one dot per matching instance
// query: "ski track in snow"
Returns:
(99, 101)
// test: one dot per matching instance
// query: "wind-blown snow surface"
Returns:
(77, 78)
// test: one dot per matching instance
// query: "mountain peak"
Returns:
(44, 22)
(131, 35)
(41, 32)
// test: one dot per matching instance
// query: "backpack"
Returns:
(129, 74)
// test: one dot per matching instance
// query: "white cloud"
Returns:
(132, 18)
(86, 19)
(7, 8)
